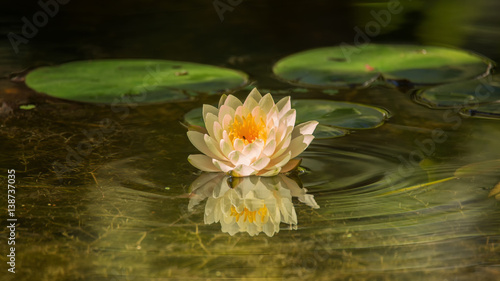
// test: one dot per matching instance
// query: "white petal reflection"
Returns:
(250, 204)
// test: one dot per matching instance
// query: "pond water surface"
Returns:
(106, 192)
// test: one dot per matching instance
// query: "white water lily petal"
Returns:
(225, 137)
(238, 158)
(272, 117)
(209, 109)
(243, 171)
(198, 140)
(238, 144)
(269, 148)
(226, 122)
(213, 146)
(223, 166)
(281, 133)
(223, 112)
(261, 163)
(241, 112)
(202, 162)
(282, 147)
(222, 100)
(289, 117)
(255, 95)
(250, 103)
(292, 164)
(270, 173)
(257, 114)
(252, 151)
(226, 147)
(284, 105)
(210, 120)
(266, 103)
(217, 131)
(299, 144)
(306, 128)
(281, 160)
(257, 136)
(232, 102)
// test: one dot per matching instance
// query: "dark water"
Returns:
(105, 193)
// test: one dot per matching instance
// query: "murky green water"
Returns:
(103, 193)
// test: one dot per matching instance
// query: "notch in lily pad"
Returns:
(121, 81)
(348, 66)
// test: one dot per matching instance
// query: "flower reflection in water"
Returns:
(251, 204)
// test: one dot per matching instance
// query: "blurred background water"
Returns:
(121, 211)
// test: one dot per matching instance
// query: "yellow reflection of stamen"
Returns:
(247, 129)
(249, 215)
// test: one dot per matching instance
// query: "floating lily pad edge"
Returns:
(140, 81)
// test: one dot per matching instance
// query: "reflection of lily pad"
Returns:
(462, 94)
(344, 66)
(490, 110)
(132, 80)
(339, 114)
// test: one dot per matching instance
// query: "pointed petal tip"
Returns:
(222, 99)
(202, 162)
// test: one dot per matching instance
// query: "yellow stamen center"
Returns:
(247, 129)
(249, 215)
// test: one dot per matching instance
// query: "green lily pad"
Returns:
(340, 114)
(347, 65)
(462, 94)
(335, 118)
(327, 132)
(132, 80)
(195, 117)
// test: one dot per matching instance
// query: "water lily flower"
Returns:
(248, 204)
(256, 137)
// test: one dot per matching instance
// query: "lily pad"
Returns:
(335, 118)
(135, 80)
(462, 94)
(195, 117)
(347, 65)
(340, 114)
(327, 132)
